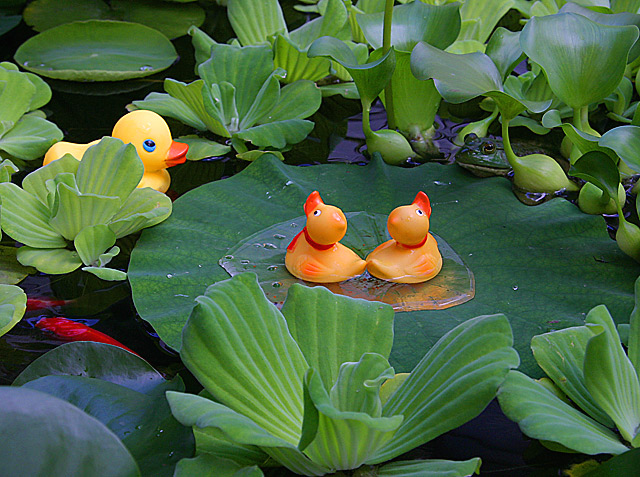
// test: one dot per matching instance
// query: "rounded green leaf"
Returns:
(49, 260)
(598, 168)
(97, 50)
(44, 14)
(92, 241)
(625, 141)
(584, 61)
(13, 303)
(62, 440)
(556, 264)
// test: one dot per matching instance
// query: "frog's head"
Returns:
(483, 153)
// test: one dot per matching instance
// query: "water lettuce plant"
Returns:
(70, 213)
(13, 303)
(591, 402)
(303, 386)
(238, 96)
(25, 134)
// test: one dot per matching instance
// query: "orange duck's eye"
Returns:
(317, 212)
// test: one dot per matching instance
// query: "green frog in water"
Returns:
(485, 156)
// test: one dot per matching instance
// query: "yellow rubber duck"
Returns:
(150, 135)
(315, 254)
(412, 255)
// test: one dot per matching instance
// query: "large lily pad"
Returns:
(544, 266)
(97, 50)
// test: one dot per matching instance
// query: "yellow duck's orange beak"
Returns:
(177, 154)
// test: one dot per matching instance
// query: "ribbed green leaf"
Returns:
(344, 439)
(332, 329)
(168, 106)
(452, 384)
(26, 219)
(206, 465)
(191, 95)
(201, 412)
(213, 441)
(633, 344)
(296, 62)
(561, 356)
(265, 100)
(238, 346)
(437, 25)
(35, 182)
(108, 274)
(487, 13)
(430, 468)
(245, 68)
(13, 303)
(278, 134)
(357, 388)
(201, 148)
(298, 100)
(62, 439)
(30, 138)
(16, 92)
(583, 60)
(92, 241)
(254, 22)
(143, 208)
(609, 375)
(504, 50)
(49, 260)
(110, 168)
(542, 415)
(76, 211)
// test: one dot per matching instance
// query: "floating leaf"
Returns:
(11, 271)
(13, 303)
(97, 50)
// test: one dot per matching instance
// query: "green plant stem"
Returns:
(506, 142)
(386, 45)
(366, 126)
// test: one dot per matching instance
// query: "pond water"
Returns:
(88, 111)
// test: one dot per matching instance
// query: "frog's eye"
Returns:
(488, 147)
(317, 212)
(149, 145)
(419, 212)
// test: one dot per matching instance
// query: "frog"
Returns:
(485, 156)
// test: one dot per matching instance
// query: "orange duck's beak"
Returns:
(177, 154)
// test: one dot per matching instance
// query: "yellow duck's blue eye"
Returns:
(149, 145)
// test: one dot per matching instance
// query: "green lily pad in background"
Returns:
(172, 20)
(263, 253)
(543, 266)
(97, 50)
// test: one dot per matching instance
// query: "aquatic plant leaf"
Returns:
(108, 274)
(192, 410)
(344, 439)
(298, 100)
(560, 354)
(542, 415)
(49, 260)
(487, 14)
(609, 375)
(278, 134)
(331, 22)
(9, 22)
(143, 208)
(16, 93)
(30, 138)
(597, 168)
(633, 343)
(171, 20)
(26, 219)
(109, 168)
(201, 148)
(625, 141)
(44, 14)
(142, 422)
(12, 271)
(95, 360)
(35, 182)
(166, 105)
(296, 62)
(237, 344)
(625, 5)
(414, 22)
(332, 329)
(172, 263)
(97, 50)
(452, 384)
(591, 68)
(370, 78)
(92, 241)
(75, 211)
(245, 68)
(65, 440)
(207, 465)
(254, 22)
(13, 303)
(430, 468)
(191, 95)
(504, 50)
(213, 441)
(264, 101)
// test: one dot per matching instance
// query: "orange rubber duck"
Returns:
(150, 135)
(315, 254)
(412, 255)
